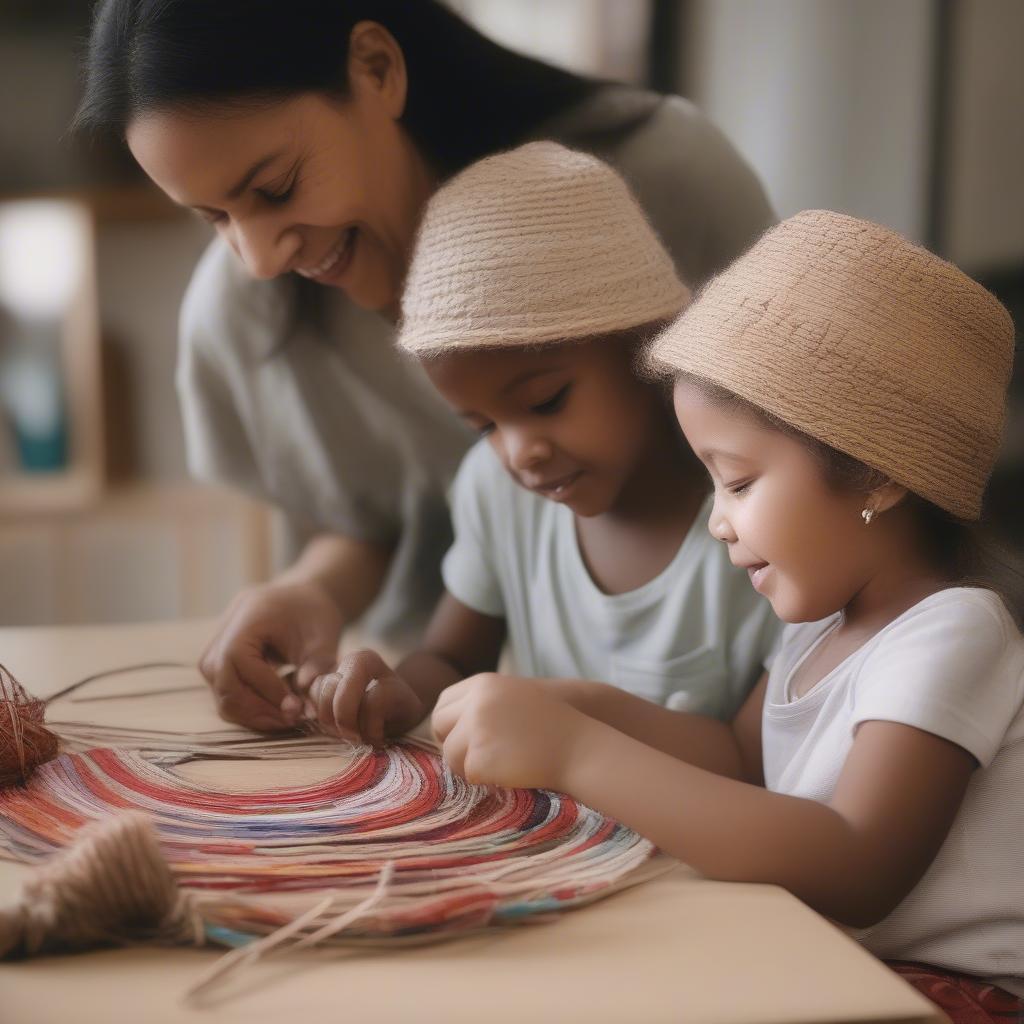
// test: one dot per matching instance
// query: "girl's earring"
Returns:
(867, 514)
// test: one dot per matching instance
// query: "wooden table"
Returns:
(676, 949)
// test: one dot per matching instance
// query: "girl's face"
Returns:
(803, 543)
(328, 188)
(570, 422)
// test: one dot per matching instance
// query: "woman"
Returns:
(311, 134)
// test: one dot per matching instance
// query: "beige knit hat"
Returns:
(861, 339)
(535, 245)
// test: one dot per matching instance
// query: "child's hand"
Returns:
(507, 731)
(363, 699)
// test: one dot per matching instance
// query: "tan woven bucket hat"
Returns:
(532, 246)
(861, 339)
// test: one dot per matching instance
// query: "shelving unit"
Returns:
(92, 543)
(139, 552)
(79, 482)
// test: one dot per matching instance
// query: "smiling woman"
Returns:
(325, 187)
(311, 134)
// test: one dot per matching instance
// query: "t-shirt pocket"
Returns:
(697, 682)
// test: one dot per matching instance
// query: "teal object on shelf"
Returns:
(43, 453)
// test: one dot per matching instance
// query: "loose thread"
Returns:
(238, 959)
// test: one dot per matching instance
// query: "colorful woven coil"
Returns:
(457, 856)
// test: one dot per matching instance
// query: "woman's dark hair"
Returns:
(467, 95)
(962, 552)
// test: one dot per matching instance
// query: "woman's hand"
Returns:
(263, 628)
(507, 731)
(364, 699)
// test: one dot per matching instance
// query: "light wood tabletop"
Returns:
(678, 948)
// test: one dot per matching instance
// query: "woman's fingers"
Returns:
(246, 704)
(213, 653)
(291, 707)
(299, 623)
(258, 675)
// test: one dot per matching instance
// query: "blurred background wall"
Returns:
(909, 112)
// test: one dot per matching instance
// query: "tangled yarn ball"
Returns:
(25, 742)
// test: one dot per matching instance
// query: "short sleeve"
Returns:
(469, 569)
(949, 667)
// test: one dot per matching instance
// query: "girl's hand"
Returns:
(363, 699)
(507, 731)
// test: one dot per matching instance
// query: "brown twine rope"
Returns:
(25, 742)
(111, 887)
(114, 887)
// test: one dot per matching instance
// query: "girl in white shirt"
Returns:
(845, 390)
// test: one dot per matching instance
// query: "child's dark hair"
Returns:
(963, 552)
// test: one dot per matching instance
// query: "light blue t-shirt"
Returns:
(693, 639)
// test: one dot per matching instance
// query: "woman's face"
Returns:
(328, 188)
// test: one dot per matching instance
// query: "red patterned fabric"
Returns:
(962, 997)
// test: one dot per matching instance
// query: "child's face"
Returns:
(570, 422)
(804, 544)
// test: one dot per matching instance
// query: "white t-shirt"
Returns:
(694, 638)
(953, 665)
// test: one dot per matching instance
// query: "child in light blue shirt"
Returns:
(581, 516)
